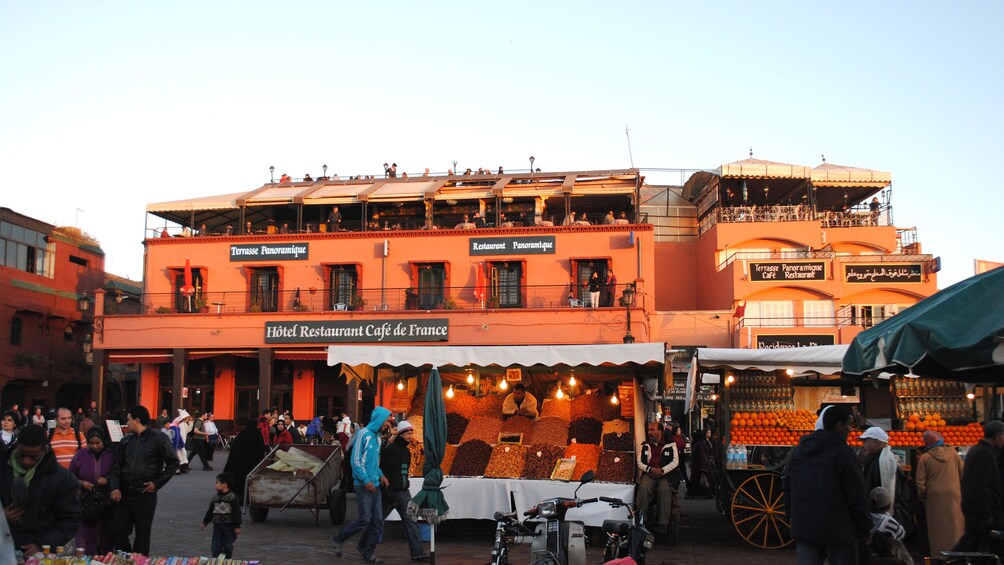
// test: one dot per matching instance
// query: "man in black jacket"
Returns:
(41, 499)
(824, 494)
(981, 490)
(144, 462)
(395, 461)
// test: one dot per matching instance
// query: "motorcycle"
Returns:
(626, 538)
(558, 541)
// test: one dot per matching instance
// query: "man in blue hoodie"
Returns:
(824, 494)
(367, 478)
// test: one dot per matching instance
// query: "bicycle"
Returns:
(509, 532)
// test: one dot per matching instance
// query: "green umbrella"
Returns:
(955, 334)
(430, 504)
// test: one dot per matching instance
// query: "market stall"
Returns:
(589, 419)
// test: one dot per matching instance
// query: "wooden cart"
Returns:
(268, 488)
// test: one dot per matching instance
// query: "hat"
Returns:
(875, 432)
(819, 420)
(932, 438)
(881, 498)
(403, 426)
(182, 413)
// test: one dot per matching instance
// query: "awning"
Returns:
(505, 356)
(222, 202)
(759, 168)
(319, 354)
(136, 356)
(821, 359)
(829, 174)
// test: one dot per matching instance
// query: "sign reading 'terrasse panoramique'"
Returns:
(534, 245)
(357, 331)
(269, 252)
(782, 271)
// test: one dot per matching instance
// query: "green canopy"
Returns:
(956, 334)
(430, 504)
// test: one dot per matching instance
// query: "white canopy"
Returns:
(821, 359)
(485, 355)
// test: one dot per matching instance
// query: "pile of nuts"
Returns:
(507, 461)
(560, 408)
(490, 404)
(550, 430)
(484, 428)
(518, 425)
(540, 461)
(595, 406)
(417, 459)
(616, 426)
(463, 404)
(586, 456)
(615, 467)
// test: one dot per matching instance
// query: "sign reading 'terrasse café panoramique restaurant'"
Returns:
(269, 252)
(534, 245)
(781, 271)
(357, 331)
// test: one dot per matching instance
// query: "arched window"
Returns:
(16, 328)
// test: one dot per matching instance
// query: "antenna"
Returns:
(627, 133)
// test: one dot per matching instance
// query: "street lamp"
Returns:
(531, 164)
(325, 169)
(627, 300)
(271, 174)
(455, 167)
(84, 303)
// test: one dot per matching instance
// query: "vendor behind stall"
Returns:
(520, 403)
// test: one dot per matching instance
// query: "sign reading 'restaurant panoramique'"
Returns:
(535, 245)
(357, 331)
(269, 252)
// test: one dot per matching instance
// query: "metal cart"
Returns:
(267, 488)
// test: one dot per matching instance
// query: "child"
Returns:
(225, 513)
(886, 540)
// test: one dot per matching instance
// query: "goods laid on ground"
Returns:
(123, 558)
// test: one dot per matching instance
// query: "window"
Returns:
(16, 327)
(506, 280)
(78, 261)
(182, 302)
(25, 250)
(584, 271)
(818, 313)
(431, 285)
(770, 313)
(265, 290)
(344, 283)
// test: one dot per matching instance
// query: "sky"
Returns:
(108, 106)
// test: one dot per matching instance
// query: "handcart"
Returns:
(269, 488)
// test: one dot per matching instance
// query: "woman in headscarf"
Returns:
(282, 435)
(702, 449)
(180, 428)
(939, 485)
(246, 451)
(92, 467)
(8, 431)
(882, 470)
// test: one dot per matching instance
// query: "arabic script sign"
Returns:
(357, 331)
(783, 271)
(884, 273)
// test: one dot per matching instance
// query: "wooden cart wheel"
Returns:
(758, 512)
(336, 506)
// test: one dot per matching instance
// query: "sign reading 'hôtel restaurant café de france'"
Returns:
(781, 271)
(269, 252)
(357, 331)
(535, 245)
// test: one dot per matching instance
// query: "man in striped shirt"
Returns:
(64, 439)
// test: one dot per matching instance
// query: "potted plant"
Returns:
(200, 305)
(358, 303)
(493, 302)
(255, 305)
(163, 310)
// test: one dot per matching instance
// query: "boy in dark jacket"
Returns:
(395, 460)
(225, 514)
(40, 497)
(824, 494)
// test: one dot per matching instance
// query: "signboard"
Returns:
(886, 273)
(269, 252)
(785, 341)
(785, 271)
(357, 331)
(533, 245)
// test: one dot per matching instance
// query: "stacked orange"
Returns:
(770, 428)
(928, 422)
(954, 435)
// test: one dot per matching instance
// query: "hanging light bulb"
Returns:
(449, 392)
(400, 385)
(470, 377)
(503, 384)
(571, 380)
(614, 400)
(730, 379)
(560, 394)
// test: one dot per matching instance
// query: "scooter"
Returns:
(626, 538)
(557, 541)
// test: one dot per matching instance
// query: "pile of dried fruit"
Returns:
(618, 442)
(463, 404)
(455, 426)
(506, 462)
(540, 461)
(519, 425)
(417, 404)
(448, 455)
(594, 406)
(471, 459)
(616, 427)
(615, 467)
(554, 407)
(587, 457)
(585, 430)
(484, 428)
(490, 405)
(417, 459)
(550, 430)
(416, 422)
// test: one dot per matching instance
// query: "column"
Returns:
(149, 387)
(99, 372)
(303, 391)
(265, 361)
(178, 384)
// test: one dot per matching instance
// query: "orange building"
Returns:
(244, 293)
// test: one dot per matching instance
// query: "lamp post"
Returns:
(325, 169)
(627, 300)
(531, 164)
(271, 174)
(455, 167)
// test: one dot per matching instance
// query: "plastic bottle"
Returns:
(730, 457)
(742, 457)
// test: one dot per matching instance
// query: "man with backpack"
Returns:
(65, 439)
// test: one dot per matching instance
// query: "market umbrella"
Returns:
(955, 334)
(188, 289)
(480, 284)
(430, 504)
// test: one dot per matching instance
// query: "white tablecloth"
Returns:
(474, 498)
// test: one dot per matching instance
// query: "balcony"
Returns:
(539, 297)
(857, 216)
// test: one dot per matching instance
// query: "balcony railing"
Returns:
(855, 217)
(388, 299)
(836, 321)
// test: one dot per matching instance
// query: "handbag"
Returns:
(214, 439)
(94, 503)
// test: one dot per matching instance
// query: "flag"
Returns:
(480, 284)
(740, 310)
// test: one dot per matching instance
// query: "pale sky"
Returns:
(110, 106)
